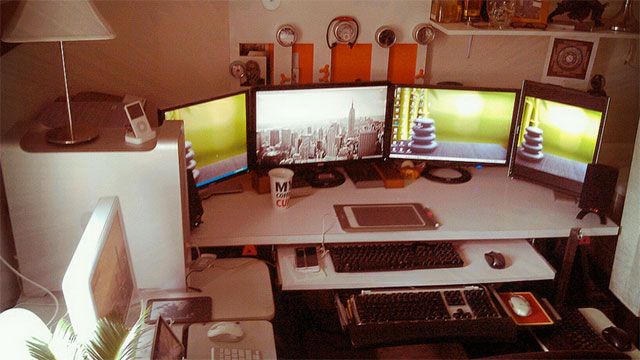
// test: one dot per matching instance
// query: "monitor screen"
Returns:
(99, 281)
(558, 133)
(452, 124)
(217, 131)
(319, 124)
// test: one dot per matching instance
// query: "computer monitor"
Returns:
(321, 124)
(558, 133)
(217, 131)
(452, 126)
(100, 281)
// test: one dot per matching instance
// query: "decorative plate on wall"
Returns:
(385, 36)
(423, 34)
(286, 35)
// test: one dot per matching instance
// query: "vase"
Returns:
(500, 13)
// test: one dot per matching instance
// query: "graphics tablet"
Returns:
(385, 217)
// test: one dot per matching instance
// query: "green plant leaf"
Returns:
(39, 350)
(113, 340)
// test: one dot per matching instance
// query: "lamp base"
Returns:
(63, 136)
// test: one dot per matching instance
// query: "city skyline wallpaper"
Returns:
(301, 126)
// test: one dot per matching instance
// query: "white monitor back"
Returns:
(100, 281)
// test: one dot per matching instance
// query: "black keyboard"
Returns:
(399, 315)
(394, 256)
(573, 332)
(363, 175)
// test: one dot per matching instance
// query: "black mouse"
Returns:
(617, 337)
(495, 259)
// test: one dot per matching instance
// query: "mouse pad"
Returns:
(538, 315)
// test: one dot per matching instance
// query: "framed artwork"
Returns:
(531, 12)
(569, 62)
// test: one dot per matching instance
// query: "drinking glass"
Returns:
(500, 12)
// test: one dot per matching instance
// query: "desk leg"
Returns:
(564, 276)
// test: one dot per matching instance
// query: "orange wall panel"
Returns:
(402, 63)
(351, 64)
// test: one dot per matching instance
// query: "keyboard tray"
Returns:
(468, 312)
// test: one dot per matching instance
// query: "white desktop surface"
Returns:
(523, 263)
(490, 206)
(240, 289)
(258, 335)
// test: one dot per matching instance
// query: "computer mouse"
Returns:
(226, 331)
(520, 305)
(617, 337)
(495, 259)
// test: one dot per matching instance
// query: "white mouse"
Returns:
(226, 331)
(520, 305)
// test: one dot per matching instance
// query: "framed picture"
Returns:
(531, 12)
(569, 62)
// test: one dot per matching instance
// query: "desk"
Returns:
(490, 206)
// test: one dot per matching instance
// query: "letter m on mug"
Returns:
(282, 186)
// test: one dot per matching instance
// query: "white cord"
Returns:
(55, 300)
(324, 232)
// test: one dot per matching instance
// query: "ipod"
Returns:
(138, 119)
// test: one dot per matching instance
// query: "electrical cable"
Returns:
(55, 300)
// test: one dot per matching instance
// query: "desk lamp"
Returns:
(59, 21)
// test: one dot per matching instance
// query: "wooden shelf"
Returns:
(462, 29)
(523, 264)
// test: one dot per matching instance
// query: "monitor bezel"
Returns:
(252, 131)
(248, 106)
(562, 95)
(462, 163)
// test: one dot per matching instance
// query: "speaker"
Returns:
(597, 190)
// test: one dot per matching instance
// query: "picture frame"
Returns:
(531, 12)
(569, 61)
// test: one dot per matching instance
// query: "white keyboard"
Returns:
(222, 353)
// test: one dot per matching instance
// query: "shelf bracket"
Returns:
(469, 42)
(564, 276)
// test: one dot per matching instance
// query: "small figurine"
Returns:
(579, 10)
(597, 85)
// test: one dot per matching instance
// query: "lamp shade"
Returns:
(44, 21)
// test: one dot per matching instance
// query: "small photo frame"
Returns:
(569, 62)
(531, 12)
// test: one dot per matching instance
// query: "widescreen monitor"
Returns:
(217, 131)
(320, 124)
(99, 281)
(559, 132)
(452, 126)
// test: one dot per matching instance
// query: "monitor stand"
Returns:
(324, 177)
(446, 175)
(221, 189)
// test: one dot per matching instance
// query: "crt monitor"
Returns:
(99, 281)
(452, 126)
(319, 124)
(558, 133)
(217, 131)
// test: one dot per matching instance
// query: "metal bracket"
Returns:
(563, 277)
